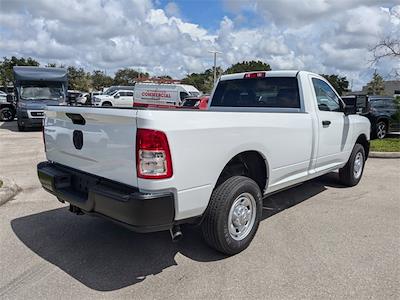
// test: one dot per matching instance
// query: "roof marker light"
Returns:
(254, 75)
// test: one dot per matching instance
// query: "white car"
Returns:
(163, 94)
(83, 98)
(155, 169)
(95, 93)
(118, 98)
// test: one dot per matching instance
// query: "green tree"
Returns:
(78, 79)
(341, 84)
(100, 80)
(128, 76)
(7, 64)
(376, 85)
(246, 66)
(202, 81)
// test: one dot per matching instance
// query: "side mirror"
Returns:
(116, 96)
(349, 110)
(358, 103)
(10, 99)
(349, 105)
(362, 104)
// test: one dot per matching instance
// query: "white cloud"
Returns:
(320, 35)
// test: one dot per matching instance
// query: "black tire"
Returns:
(21, 127)
(107, 104)
(215, 223)
(347, 174)
(380, 130)
(6, 114)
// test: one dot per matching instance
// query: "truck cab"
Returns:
(35, 88)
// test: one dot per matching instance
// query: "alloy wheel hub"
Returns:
(240, 215)
(358, 165)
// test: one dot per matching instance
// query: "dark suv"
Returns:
(383, 113)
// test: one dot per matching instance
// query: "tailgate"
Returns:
(98, 141)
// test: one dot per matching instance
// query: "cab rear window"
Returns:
(280, 92)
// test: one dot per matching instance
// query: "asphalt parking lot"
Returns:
(317, 240)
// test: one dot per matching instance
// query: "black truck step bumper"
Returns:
(141, 212)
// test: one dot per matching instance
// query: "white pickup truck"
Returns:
(153, 169)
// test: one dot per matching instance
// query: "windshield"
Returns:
(194, 94)
(110, 91)
(52, 91)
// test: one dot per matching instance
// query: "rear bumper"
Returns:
(125, 205)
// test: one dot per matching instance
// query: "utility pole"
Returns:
(215, 63)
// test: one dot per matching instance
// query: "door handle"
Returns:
(326, 123)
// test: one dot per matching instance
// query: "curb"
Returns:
(8, 190)
(384, 154)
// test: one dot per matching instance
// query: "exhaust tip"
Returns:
(176, 233)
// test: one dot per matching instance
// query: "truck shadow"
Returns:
(12, 126)
(106, 257)
(283, 200)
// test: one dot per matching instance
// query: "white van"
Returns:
(163, 94)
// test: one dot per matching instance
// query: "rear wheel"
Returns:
(381, 130)
(351, 173)
(6, 114)
(233, 215)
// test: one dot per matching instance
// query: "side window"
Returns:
(183, 95)
(274, 92)
(122, 94)
(130, 94)
(326, 97)
(378, 104)
(389, 104)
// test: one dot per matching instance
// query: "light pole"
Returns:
(215, 63)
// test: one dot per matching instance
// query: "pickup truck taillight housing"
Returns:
(153, 157)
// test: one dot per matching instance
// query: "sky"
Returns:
(173, 37)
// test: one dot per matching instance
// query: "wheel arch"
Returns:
(362, 140)
(384, 119)
(249, 163)
(106, 102)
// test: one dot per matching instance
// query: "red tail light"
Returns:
(153, 157)
(254, 75)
